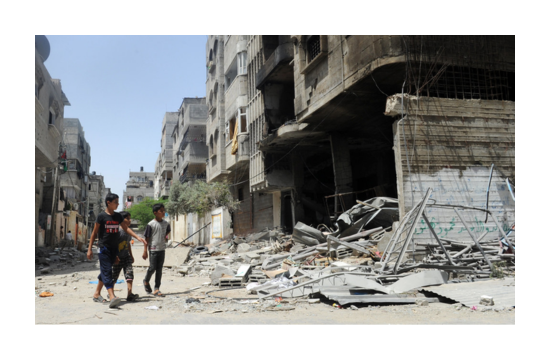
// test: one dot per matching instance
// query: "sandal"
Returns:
(147, 287)
(99, 299)
(158, 293)
(114, 303)
(132, 297)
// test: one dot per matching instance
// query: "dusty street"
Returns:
(72, 304)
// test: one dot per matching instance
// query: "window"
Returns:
(212, 149)
(139, 198)
(243, 119)
(52, 117)
(230, 130)
(241, 195)
(241, 59)
(313, 47)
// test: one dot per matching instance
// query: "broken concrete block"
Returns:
(45, 270)
(353, 307)
(486, 300)
(218, 272)
(184, 270)
(243, 247)
(248, 257)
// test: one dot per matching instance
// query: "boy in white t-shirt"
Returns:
(156, 234)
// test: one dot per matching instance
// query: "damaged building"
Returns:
(347, 118)
(332, 120)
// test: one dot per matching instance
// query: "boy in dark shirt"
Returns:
(107, 231)
(126, 258)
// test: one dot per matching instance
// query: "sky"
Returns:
(120, 87)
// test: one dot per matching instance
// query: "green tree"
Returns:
(199, 197)
(143, 211)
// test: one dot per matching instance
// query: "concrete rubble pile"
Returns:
(343, 264)
(47, 261)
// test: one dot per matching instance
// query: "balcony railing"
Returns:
(188, 177)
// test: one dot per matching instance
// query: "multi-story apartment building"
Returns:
(189, 139)
(140, 185)
(228, 129)
(75, 180)
(50, 102)
(96, 200)
(335, 119)
(216, 169)
(165, 164)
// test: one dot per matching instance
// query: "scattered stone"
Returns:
(486, 300)
(314, 301)
(353, 307)
(422, 302)
(457, 306)
(485, 309)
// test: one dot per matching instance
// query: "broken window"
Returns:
(52, 117)
(241, 194)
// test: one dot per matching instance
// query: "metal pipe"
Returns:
(501, 231)
(411, 230)
(510, 188)
(436, 237)
(473, 237)
(488, 186)
(192, 235)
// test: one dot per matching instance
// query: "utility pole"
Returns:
(54, 207)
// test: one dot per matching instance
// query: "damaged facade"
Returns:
(336, 119)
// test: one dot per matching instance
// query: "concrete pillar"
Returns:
(277, 208)
(296, 193)
(341, 164)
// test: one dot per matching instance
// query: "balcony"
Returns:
(194, 153)
(187, 176)
(277, 69)
(242, 157)
(290, 134)
(165, 188)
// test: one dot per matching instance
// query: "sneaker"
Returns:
(132, 297)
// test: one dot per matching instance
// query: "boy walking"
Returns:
(156, 233)
(126, 258)
(107, 231)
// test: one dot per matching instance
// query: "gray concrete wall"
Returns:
(455, 143)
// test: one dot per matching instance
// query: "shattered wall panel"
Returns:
(450, 146)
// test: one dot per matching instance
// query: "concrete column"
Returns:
(296, 193)
(341, 164)
(277, 208)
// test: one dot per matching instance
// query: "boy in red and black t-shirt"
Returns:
(106, 229)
